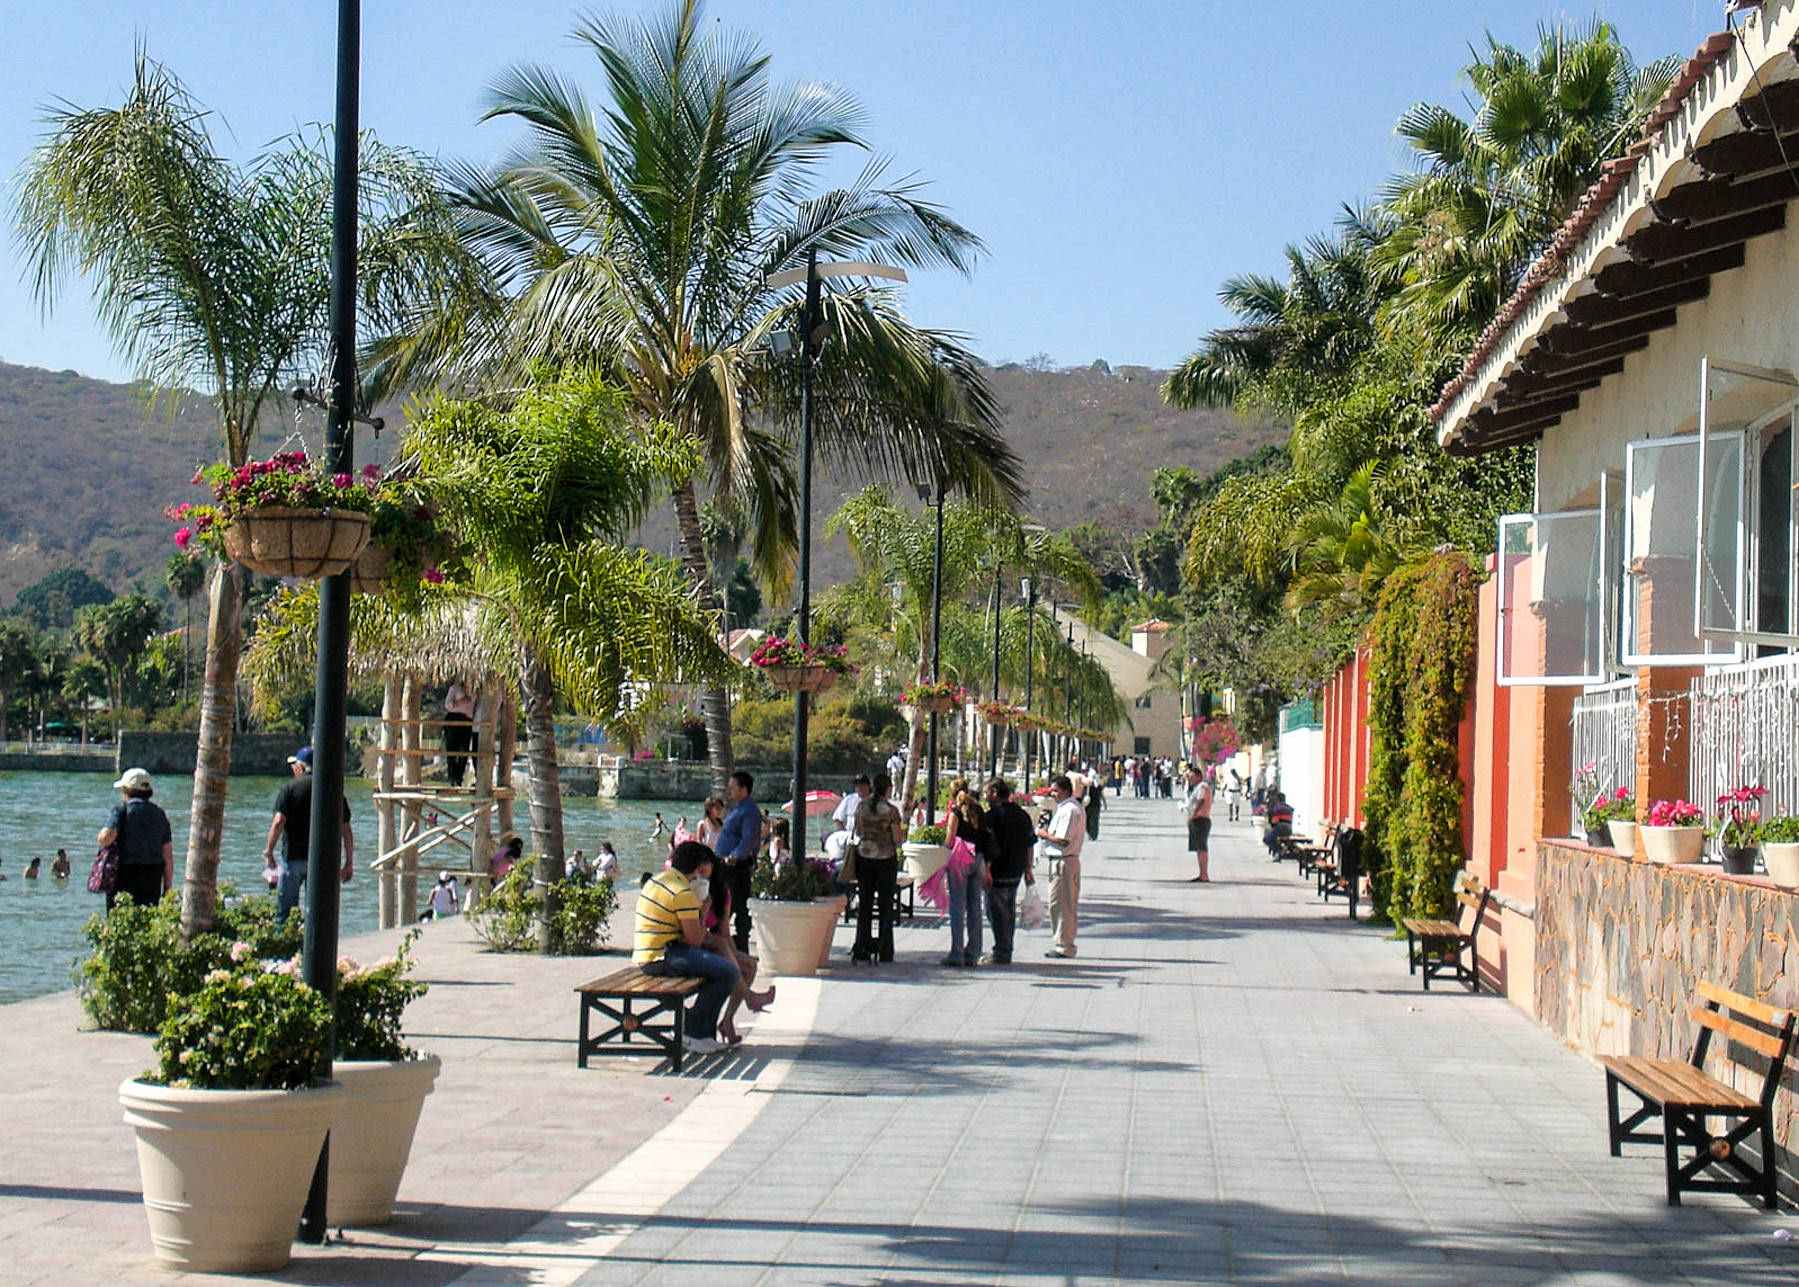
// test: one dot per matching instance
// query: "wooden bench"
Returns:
(1341, 873)
(1684, 1096)
(903, 900)
(659, 999)
(1437, 945)
(1313, 854)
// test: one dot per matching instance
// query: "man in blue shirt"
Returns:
(737, 845)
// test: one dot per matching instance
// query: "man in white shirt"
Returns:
(896, 766)
(1061, 849)
(844, 815)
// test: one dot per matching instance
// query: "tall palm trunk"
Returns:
(715, 699)
(546, 775)
(212, 761)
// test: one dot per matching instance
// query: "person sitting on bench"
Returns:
(1280, 823)
(669, 937)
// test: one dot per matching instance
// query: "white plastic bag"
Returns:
(1031, 913)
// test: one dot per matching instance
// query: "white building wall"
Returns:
(1302, 775)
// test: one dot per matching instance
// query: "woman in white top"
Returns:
(712, 821)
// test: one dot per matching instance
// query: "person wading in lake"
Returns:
(146, 847)
(293, 822)
(59, 869)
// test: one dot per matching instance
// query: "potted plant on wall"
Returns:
(1674, 832)
(386, 1083)
(1780, 850)
(284, 516)
(1739, 812)
(795, 914)
(228, 1125)
(1610, 820)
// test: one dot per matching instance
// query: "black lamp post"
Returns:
(924, 494)
(996, 732)
(1068, 703)
(324, 855)
(1029, 588)
(812, 343)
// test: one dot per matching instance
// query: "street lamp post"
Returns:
(1068, 703)
(1029, 589)
(924, 494)
(811, 345)
(996, 732)
(324, 854)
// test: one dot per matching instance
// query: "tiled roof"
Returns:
(1587, 210)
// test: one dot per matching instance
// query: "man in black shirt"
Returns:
(293, 816)
(1009, 862)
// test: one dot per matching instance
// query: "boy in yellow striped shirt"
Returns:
(668, 934)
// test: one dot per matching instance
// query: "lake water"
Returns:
(41, 920)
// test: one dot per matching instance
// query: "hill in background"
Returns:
(90, 465)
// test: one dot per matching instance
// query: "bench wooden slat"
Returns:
(1762, 1043)
(1675, 1082)
(1430, 928)
(632, 981)
(1758, 1010)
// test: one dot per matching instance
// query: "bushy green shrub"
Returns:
(583, 910)
(371, 1002)
(843, 736)
(509, 918)
(247, 1027)
(506, 920)
(138, 958)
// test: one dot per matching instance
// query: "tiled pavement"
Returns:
(1231, 1083)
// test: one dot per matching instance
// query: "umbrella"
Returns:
(818, 803)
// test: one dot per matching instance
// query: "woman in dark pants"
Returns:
(146, 847)
(879, 829)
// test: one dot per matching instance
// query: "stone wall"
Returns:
(662, 780)
(1621, 944)
(252, 754)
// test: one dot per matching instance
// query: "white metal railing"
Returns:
(1744, 731)
(1605, 736)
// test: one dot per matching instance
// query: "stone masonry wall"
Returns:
(1621, 944)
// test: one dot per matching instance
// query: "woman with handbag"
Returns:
(879, 829)
(965, 877)
(142, 857)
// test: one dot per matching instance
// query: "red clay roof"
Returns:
(1155, 626)
(1586, 213)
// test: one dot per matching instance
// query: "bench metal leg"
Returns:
(1411, 954)
(581, 1046)
(667, 1036)
(1611, 1114)
(1671, 1153)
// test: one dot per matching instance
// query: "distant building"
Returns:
(1154, 725)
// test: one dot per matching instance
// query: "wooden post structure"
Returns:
(412, 773)
(392, 712)
(481, 857)
(506, 735)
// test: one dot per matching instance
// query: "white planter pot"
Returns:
(1624, 838)
(1782, 862)
(793, 938)
(373, 1136)
(225, 1172)
(1673, 844)
(924, 861)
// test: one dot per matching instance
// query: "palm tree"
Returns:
(185, 575)
(641, 238)
(215, 277)
(115, 634)
(1489, 192)
(1342, 554)
(18, 661)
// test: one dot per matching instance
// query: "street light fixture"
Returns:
(812, 342)
(1028, 588)
(924, 494)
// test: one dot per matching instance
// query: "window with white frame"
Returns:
(1674, 543)
(1552, 595)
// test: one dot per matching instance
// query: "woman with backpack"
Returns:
(146, 850)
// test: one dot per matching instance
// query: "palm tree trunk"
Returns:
(546, 775)
(212, 764)
(715, 699)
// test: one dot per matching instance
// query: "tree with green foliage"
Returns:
(185, 576)
(115, 635)
(216, 277)
(51, 602)
(18, 662)
(641, 238)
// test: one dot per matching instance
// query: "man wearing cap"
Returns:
(146, 846)
(293, 816)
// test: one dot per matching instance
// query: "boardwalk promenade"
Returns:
(1230, 1083)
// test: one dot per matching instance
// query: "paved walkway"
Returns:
(1231, 1083)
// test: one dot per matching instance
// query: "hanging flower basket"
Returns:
(306, 543)
(938, 697)
(998, 714)
(800, 679)
(374, 570)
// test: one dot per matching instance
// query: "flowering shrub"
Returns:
(1616, 805)
(508, 918)
(371, 1001)
(779, 650)
(1675, 813)
(934, 690)
(792, 882)
(248, 1027)
(286, 479)
(1214, 740)
(1740, 811)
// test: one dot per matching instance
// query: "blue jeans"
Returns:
(287, 892)
(965, 912)
(721, 981)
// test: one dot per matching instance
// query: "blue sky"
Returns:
(1119, 157)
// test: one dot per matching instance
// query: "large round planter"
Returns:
(373, 1136)
(793, 938)
(1738, 860)
(225, 1172)
(924, 861)
(800, 679)
(1673, 844)
(1624, 837)
(1782, 861)
(307, 543)
(838, 904)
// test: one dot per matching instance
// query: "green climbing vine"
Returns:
(1421, 664)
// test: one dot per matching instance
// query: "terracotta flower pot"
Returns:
(305, 543)
(1782, 861)
(800, 679)
(793, 938)
(225, 1172)
(1673, 844)
(373, 1136)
